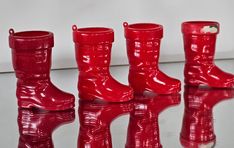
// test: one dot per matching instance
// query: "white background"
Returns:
(59, 15)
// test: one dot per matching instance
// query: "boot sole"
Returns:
(91, 97)
(197, 83)
(29, 104)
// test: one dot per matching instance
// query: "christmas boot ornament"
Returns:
(199, 47)
(93, 55)
(31, 58)
(143, 47)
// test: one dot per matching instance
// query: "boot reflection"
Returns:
(143, 129)
(95, 119)
(36, 126)
(198, 129)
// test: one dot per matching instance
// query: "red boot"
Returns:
(36, 127)
(143, 45)
(143, 128)
(95, 119)
(93, 51)
(31, 58)
(198, 127)
(199, 46)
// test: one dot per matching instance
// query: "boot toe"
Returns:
(230, 82)
(176, 85)
(172, 86)
(68, 101)
(62, 101)
(69, 98)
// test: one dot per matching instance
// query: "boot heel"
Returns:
(194, 82)
(87, 96)
(25, 104)
(137, 90)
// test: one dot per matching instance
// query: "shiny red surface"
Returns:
(199, 48)
(95, 119)
(31, 59)
(198, 122)
(93, 55)
(143, 47)
(143, 128)
(36, 127)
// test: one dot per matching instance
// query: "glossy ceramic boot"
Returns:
(95, 119)
(93, 51)
(36, 127)
(143, 47)
(198, 127)
(143, 129)
(199, 46)
(31, 58)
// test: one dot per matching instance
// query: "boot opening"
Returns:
(95, 30)
(32, 34)
(145, 26)
(203, 23)
(200, 27)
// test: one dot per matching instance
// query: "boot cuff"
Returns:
(200, 27)
(31, 40)
(93, 35)
(143, 31)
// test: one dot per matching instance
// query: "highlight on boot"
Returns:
(199, 47)
(31, 59)
(93, 55)
(143, 48)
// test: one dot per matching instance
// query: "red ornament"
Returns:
(143, 47)
(93, 54)
(199, 46)
(31, 58)
(198, 126)
(36, 126)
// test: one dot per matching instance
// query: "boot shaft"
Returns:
(199, 49)
(34, 64)
(31, 53)
(93, 48)
(143, 44)
(93, 58)
(199, 41)
(143, 54)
